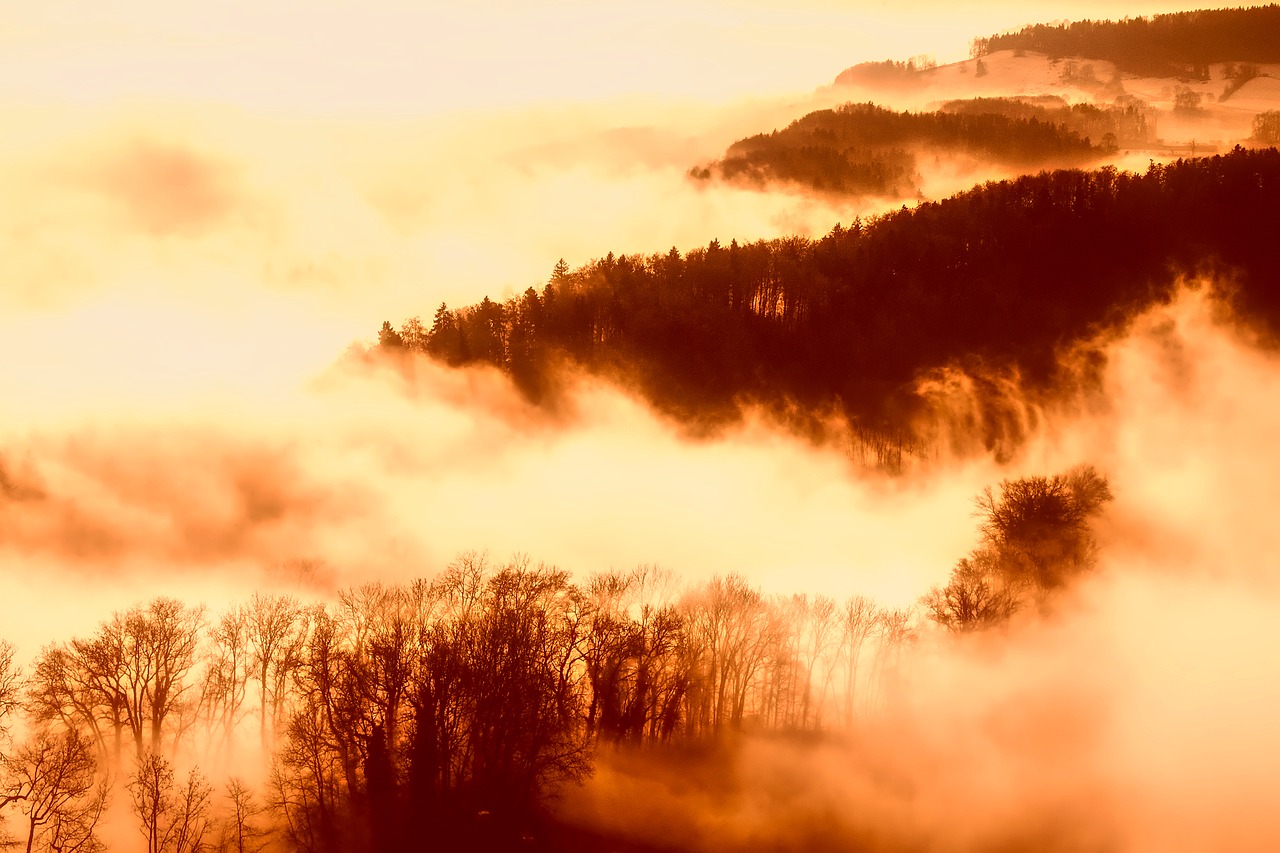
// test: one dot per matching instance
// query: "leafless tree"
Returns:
(53, 781)
(277, 632)
(228, 668)
(858, 619)
(173, 817)
(11, 687)
(240, 830)
(977, 596)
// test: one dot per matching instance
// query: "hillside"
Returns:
(1002, 276)
(1182, 44)
(864, 149)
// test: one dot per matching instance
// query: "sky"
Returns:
(407, 59)
(206, 205)
(203, 205)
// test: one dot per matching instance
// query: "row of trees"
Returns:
(864, 149)
(1178, 44)
(1000, 277)
(1127, 122)
(443, 713)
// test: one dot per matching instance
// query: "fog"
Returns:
(1134, 715)
(201, 216)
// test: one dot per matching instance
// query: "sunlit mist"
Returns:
(275, 580)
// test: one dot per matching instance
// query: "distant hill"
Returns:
(1125, 123)
(1181, 44)
(1003, 275)
(864, 149)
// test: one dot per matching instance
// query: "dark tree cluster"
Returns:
(1180, 44)
(864, 149)
(445, 714)
(1036, 538)
(888, 74)
(1001, 276)
(1128, 122)
(431, 715)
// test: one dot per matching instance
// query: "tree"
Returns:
(1187, 101)
(239, 831)
(1038, 527)
(1036, 538)
(389, 338)
(132, 675)
(166, 637)
(10, 686)
(173, 817)
(976, 597)
(228, 668)
(858, 619)
(53, 781)
(1266, 127)
(276, 634)
(414, 335)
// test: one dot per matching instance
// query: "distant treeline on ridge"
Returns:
(1180, 44)
(864, 149)
(1002, 275)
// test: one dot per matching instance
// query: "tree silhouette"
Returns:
(858, 322)
(1036, 538)
(172, 816)
(53, 780)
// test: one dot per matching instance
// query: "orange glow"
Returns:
(205, 205)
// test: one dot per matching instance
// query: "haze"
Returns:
(205, 209)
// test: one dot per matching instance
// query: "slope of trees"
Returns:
(1126, 123)
(444, 714)
(1180, 44)
(1000, 276)
(864, 149)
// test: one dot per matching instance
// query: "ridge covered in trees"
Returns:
(1127, 122)
(1178, 44)
(444, 713)
(1003, 276)
(864, 149)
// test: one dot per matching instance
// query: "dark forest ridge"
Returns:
(1179, 44)
(864, 149)
(1003, 275)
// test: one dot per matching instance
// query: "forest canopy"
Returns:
(1179, 44)
(864, 149)
(994, 278)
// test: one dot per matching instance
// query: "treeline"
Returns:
(442, 713)
(432, 715)
(864, 149)
(888, 74)
(1001, 276)
(1128, 122)
(1180, 44)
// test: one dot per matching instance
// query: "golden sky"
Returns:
(412, 58)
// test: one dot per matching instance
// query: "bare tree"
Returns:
(228, 668)
(858, 619)
(53, 781)
(240, 830)
(277, 632)
(820, 628)
(173, 817)
(10, 686)
(977, 596)
(731, 626)
(79, 685)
